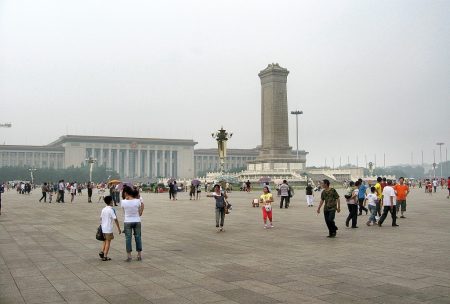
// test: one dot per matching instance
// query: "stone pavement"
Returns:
(48, 254)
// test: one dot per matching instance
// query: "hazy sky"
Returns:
(372, 77)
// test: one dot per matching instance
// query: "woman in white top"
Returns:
(133, 208)
(352, 197)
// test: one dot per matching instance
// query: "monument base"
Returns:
(290, 169)
(278, 165)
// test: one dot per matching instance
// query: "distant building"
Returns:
(32, 156)
(207, 160)
(130, 157)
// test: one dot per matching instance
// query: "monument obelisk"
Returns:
(274, 113)
(275, 152)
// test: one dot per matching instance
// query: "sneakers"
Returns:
(271, 225)
(368, 223)
(265, 226)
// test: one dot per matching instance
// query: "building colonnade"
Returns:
(137, 162)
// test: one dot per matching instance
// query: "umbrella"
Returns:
(121, 185)
(114, 182)
(265, 179)
(196, 182)
(278, 181)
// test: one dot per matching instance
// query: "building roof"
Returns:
(121, 140)
(31, 148)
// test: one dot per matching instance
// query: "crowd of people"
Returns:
(377, 201)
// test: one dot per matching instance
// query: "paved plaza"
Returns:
(48, 254)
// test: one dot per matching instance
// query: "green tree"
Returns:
(81, 174)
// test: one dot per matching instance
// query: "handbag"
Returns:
(226, 206)
(99, 234)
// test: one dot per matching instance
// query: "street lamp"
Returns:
(31, 173)
(296, 113)
(91, 161)
(222, 136)
(371, 168)
(440, 144)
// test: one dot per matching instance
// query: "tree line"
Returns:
(80, 174)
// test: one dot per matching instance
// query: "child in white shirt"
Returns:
(108, 215)
(372, 199)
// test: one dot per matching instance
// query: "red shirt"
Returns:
(448, 183)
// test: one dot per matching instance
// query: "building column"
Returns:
(163, 168)
(118, 161)
(110, 164)
(127, 163)
(100, 161)
(138, 171)
(170, 164)
(149, 174)
(155, 165)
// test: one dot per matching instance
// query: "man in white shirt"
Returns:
(284, 193)
(435, 184)
(60, 192)
(389, 203)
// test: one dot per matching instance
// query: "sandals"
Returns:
(106, 259)
(128, 260)
(139, 258)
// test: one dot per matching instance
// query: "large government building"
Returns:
(130, 157)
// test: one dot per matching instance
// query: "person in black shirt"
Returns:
(309, 195)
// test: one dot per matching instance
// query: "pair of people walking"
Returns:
(220, 197)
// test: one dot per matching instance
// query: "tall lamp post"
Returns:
(91, 161)
(440, 144)
(296, 113)
(222, 136)
(31, 174)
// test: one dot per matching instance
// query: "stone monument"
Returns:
(275, 152)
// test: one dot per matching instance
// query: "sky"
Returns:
(372, 77)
